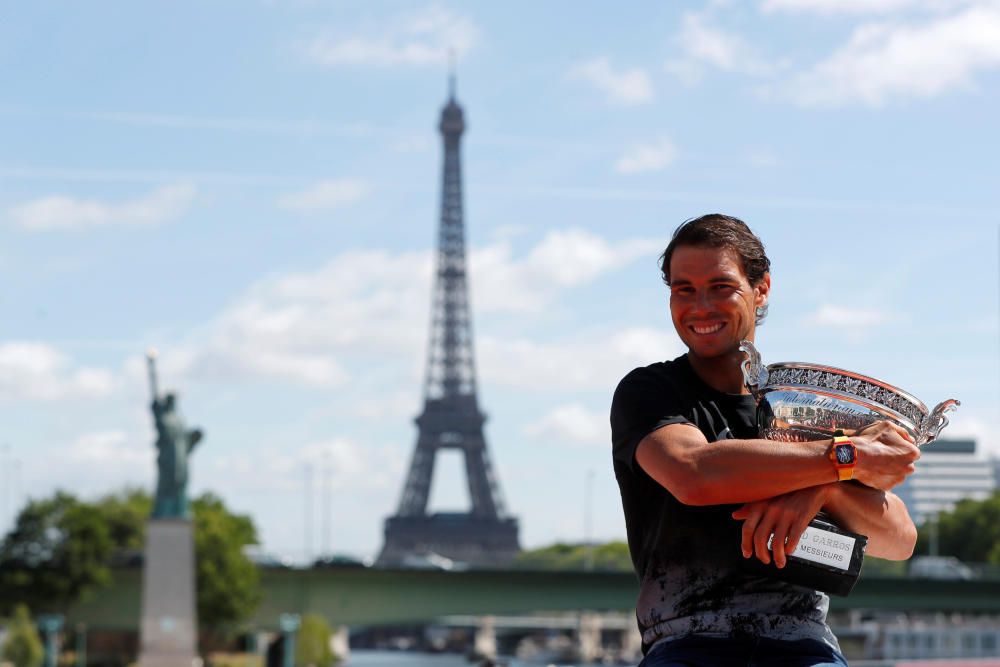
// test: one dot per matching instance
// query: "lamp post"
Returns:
(324, 547)
(289, 624)
(6, 482)
(588, 563)
(81, 645)
(50, 625)
(307, 518)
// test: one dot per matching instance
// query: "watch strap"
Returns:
(845, 471)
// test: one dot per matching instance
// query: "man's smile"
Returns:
(707, 328)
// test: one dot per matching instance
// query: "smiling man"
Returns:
(702, 493)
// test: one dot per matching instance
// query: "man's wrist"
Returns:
(844, 456)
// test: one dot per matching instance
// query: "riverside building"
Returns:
(948, 471)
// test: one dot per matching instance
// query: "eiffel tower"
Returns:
(484, 536)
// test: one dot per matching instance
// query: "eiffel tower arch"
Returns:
(485, 536)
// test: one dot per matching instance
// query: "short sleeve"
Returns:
(642, 403)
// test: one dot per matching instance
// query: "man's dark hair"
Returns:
(716, 230)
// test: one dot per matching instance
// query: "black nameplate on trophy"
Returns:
(827, 558)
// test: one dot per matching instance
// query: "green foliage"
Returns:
(611, 556)
(971, 532)
(312, 644)
(126, 514)
(60, 550)
(23, 647)
(879, 567)
(227, 581)
(235, 660)
(56, 554)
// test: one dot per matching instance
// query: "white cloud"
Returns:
(325, 196)
(423, 38)
(109, 448)
(234, 354)
(306, 327)
(572, 424)
(351, 486)
(402, 403)
(413, 144)
(702, 44)
(37, 371)
(315, 327)
(854, 323)
(628, 87)
(591, 361)
(830, 315)
(828, 7)
(709, 44)
(562, 259)
(345, 459)
(653, 156)
(890, 59)
(61, 212)
(340, 463)
(95, 463)
(983, 431)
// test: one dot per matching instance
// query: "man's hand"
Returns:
(886, 454)
(785, 516)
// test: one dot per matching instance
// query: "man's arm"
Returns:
(194, 437)
(879, 515)
(697, 472)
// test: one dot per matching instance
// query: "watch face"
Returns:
(845, 454)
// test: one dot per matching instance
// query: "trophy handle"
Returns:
(754, 373)
(936, 421)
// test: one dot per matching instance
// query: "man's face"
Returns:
(712, 304)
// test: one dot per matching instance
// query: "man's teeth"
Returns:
(706, 329)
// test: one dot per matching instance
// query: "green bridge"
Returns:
(366, 596)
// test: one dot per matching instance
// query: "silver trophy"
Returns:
(799, 402)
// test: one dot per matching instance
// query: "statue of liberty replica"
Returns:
(169, 617)
(174, 444)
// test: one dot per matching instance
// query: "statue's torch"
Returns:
(151, 355)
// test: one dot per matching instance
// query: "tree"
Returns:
(61, 548)
(227, 581)
(880, 568)
(312, 645)
(56, 554)
(23, 647)
(970, 532)
(126, 513)
(610, 556)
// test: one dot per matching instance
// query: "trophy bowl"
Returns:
(799, 402)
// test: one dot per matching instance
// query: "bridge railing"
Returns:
(369, 596)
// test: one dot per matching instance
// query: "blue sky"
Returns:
(252, 188)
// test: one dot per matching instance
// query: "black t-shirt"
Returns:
(691, 571)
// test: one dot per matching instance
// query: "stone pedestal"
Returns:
(169, 636)
(484, 642)
(340, 643)
(631, 644)
(588, 635)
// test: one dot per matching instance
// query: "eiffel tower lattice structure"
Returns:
(451, 419)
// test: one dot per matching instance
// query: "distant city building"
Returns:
(948, 471)
(940, 638)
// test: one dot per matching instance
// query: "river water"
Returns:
(405, 659)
